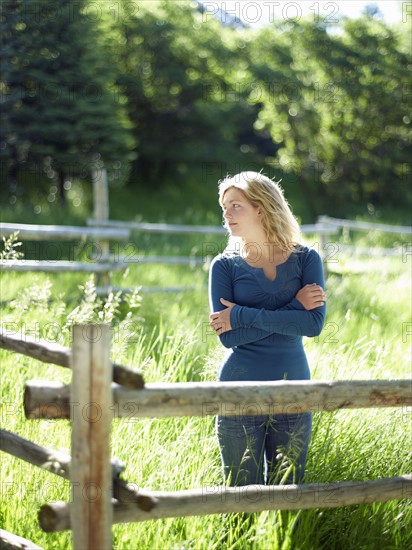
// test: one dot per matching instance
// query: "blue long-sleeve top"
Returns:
(268, 322)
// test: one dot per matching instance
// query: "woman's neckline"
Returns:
(261, 269)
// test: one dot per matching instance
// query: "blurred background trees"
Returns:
(342, 121)
(58, 115)
(166, 98)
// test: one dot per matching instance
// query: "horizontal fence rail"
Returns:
(8, 541)
(148, 227)
(367, 226)
(59, 355)
(104, 290)
(53, 266)
(59, 463)
(249, 498)
(62, 232)
(373, 251)
(44, 399)
(56, 462)
(171, 260)
(101, 266)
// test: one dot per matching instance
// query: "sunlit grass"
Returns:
(164, 336)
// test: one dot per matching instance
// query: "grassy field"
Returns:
(366, 336)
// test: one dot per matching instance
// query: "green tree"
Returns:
(179, 77)
(59, 113)
(346, 131)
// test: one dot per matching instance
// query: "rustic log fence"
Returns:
(365, 226)
(102, 231)
(105, 263)
(100, 498)
(100, 236)
(324, 228)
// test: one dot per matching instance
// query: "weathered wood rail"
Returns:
(92, 400)
(102, 264)
(59, 463)
(365, 226)
(58, 266)
(33, 232)
(56, 462)
(9, 541)
(44, 399)
(59, 355)
(249, 498)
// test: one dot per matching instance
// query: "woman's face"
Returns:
(242, 219)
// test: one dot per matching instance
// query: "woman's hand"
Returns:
(220, 320)
(311, 296)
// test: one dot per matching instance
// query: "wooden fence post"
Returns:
(324, 245)
(91, 513)
(101, 213)
(323, 255)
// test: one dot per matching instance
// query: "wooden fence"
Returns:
(102, 230)
(99, 236)
(104, 263)
(100, 498)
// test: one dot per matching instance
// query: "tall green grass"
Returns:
(165, 336)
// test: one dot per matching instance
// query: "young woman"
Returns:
(265, 294)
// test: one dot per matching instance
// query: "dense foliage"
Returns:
(160, 92)
(59, 114)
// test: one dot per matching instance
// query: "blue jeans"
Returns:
(264, 449)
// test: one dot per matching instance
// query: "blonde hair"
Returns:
(279, 223)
